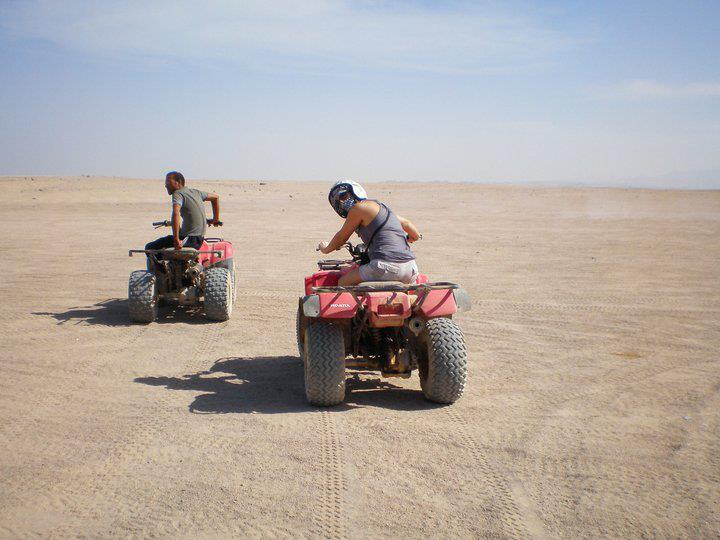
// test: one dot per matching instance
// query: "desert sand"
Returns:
(592, 407)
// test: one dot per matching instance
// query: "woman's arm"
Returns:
(410, 229)
(352, 222)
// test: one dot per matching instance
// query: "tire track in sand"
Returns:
(71, 384)
(105, 480)
(329, 517)
(150, 427)
(516, 512)
(612, 306)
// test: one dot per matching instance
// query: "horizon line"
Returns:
(580, 184)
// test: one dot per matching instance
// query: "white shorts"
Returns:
(377, 270)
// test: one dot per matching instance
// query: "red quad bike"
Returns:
(191, 277)
(387, 326)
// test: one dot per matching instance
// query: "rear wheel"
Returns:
(234, 283)
(142, 296)
(324, 358)
(218, 294)
(443, 361)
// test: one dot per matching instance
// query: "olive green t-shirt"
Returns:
(192, 211)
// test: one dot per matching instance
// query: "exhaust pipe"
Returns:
(416, 325)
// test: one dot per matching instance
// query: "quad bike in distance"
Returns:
(385, 326)
(190, 277)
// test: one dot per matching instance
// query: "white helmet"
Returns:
(342, 187)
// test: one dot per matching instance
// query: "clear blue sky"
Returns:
(606, 93)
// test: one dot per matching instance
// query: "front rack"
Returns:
(334, 264)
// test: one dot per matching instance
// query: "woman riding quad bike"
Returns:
(385, 234)
(376, 312)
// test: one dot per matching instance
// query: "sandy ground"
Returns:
(593, 404)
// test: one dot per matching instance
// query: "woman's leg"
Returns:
(351, 278)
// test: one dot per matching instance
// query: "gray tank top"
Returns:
(390, 243)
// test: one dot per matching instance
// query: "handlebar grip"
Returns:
(219, 223)
(161, 223)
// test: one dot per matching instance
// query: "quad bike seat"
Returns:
(184, 254)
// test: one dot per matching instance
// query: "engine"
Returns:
(193, 270)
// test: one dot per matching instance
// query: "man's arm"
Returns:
(352, 222)
(410, 229)
(175, 222)
(214, 199)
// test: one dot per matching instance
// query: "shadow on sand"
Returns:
(272, 385)
(114, 312)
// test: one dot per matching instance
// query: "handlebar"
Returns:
(349, 247)
(356, 252)
(166, 223)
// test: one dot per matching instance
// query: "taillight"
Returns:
(390, 309)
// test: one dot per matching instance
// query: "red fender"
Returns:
(438, 303)
(209, 259)
(337, 305)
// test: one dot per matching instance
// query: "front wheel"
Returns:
(324, 358)
(443, 361)
(218, 294)
(142, 296)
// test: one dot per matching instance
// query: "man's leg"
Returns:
(194, 242)
(160, 243)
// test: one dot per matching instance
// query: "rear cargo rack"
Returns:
(217, 252)
(390, 287)
(421, 288)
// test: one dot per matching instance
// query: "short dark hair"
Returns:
(176, 176)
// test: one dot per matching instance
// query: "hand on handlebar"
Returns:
(322, 246)
(214, 222)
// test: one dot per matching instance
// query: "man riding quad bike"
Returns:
(185, 266)
(378, 309)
